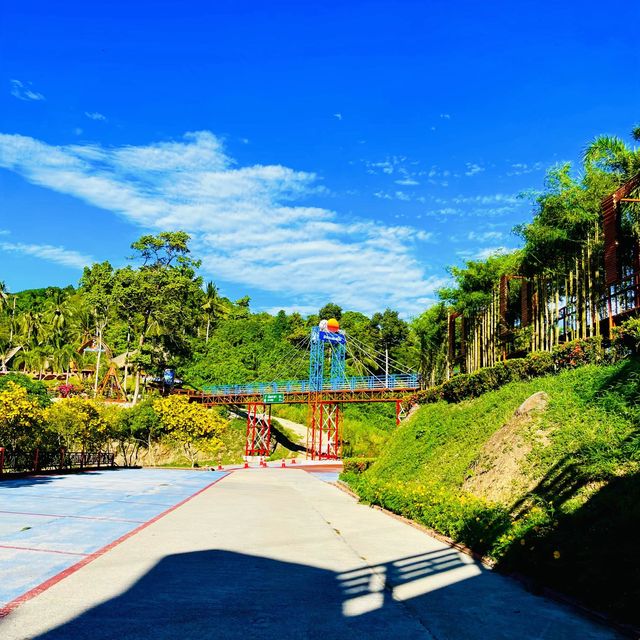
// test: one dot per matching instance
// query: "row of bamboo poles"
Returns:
(555, 308)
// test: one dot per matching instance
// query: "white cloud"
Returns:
(337, 116)
(245, 223)
(445, 116)
(473, 168)
(484, 236)
(407, 182)
(59, 255)
(4, 232)
(23, 91)
(94, 115)
(520, 168)
(483, 254)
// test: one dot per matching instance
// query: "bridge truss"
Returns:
(325, 392)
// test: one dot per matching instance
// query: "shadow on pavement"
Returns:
(226, 595)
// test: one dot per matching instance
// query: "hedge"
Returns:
(472, 385)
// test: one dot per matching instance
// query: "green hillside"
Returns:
(553, 493)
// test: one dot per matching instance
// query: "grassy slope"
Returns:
(367, 427)
(575, 526)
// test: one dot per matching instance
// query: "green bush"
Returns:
(539, 363)
(357, 465)
(578, 352)
(471, 385)
(35, 389)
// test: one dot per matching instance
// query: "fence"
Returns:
(392, 381)
(41, 459)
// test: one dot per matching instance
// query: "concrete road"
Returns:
(279, 553)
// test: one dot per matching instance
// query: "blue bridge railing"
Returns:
(393, 381)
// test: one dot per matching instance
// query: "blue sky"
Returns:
(315, 151)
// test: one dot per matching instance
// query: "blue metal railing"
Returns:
(394, 381)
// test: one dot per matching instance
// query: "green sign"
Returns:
(273, 398)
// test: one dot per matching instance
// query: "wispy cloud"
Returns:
(484, 253)
(473, 168)
(94, 115)
(484, 236)
(245, 221)
(59, 255)
(408, 182)
(23, 91)
(445, 116)
(337, 116)
(520, 168)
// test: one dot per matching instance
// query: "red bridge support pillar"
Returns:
(324, 432)
(401, 412)
(258, 441)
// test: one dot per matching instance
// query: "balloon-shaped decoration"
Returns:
(333, 325)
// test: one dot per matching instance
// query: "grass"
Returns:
(367, 427)
(572, 520)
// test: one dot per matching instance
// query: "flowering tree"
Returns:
(20, 416)
(194, 427)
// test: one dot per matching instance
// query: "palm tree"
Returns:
(214, 306)
(613, 155)
(4, 296)
(57, 316)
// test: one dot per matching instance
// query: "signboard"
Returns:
(329, 336)
(273, 398)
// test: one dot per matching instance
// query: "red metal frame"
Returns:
(324, 433)
(258, 442)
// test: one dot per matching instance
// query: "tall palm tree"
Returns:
(612, 155)
(4, 296)
(57, 316)
(214, 306)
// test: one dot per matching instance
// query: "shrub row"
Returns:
(472, 385)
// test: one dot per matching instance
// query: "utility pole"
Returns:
(386, 367)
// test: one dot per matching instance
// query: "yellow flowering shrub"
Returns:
(20, 417)
(78, 423)
(196, 428)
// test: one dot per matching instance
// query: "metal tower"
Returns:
(324, 431)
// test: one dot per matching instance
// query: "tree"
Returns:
(330, 310)
(163, 291)
(97, 285)
(214, 306)
(78, 423)
(431, 330)
(191, 425)
(20, 417)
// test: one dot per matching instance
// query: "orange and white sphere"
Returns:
(333, 325)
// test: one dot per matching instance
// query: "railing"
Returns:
(392, 381)
(620, 298)
(42, 459)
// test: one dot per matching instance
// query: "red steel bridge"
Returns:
(324, 392)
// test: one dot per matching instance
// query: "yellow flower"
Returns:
(556, 554)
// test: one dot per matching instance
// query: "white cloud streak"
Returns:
(245, 225)
(23, 91)
(95, 115)
(58, 255)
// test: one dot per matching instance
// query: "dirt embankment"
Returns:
(499, 473)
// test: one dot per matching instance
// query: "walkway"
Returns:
(280, 553)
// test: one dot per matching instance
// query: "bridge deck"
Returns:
(303, 397)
